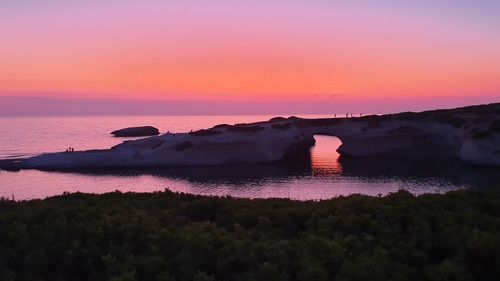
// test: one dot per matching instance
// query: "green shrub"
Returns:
(171, 236)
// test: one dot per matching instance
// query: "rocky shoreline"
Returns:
(468, 134)
(11, 164)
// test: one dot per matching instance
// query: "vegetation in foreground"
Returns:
(169, 236)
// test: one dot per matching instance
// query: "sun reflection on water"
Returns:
(324, 156)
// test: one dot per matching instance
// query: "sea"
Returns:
(322, 174)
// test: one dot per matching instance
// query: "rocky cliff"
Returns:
(470, 134)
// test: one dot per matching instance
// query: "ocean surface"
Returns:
(320, 175)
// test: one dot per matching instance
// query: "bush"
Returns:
(171, 236)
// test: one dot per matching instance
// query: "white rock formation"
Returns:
(471, 134)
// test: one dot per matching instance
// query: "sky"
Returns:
(287, 56)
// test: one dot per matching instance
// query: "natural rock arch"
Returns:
(470, 134)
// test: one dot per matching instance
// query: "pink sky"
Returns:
(252, 51)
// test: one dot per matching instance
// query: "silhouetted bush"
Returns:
(170, 236)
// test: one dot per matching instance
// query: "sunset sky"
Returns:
(433, 53)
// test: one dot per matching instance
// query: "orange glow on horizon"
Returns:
(243, 51)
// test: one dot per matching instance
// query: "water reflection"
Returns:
(324, 156)
(319, 174)
(236, 174)
(323, 163)
(424, 169)
(439, 172)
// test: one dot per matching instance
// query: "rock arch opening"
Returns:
(324, 155)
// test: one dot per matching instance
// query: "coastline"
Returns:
(469, 134)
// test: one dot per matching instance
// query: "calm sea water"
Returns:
(320, 175)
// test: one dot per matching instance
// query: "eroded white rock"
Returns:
(468, 134)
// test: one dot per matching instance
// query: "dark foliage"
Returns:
(202, 133)
(168, 236)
